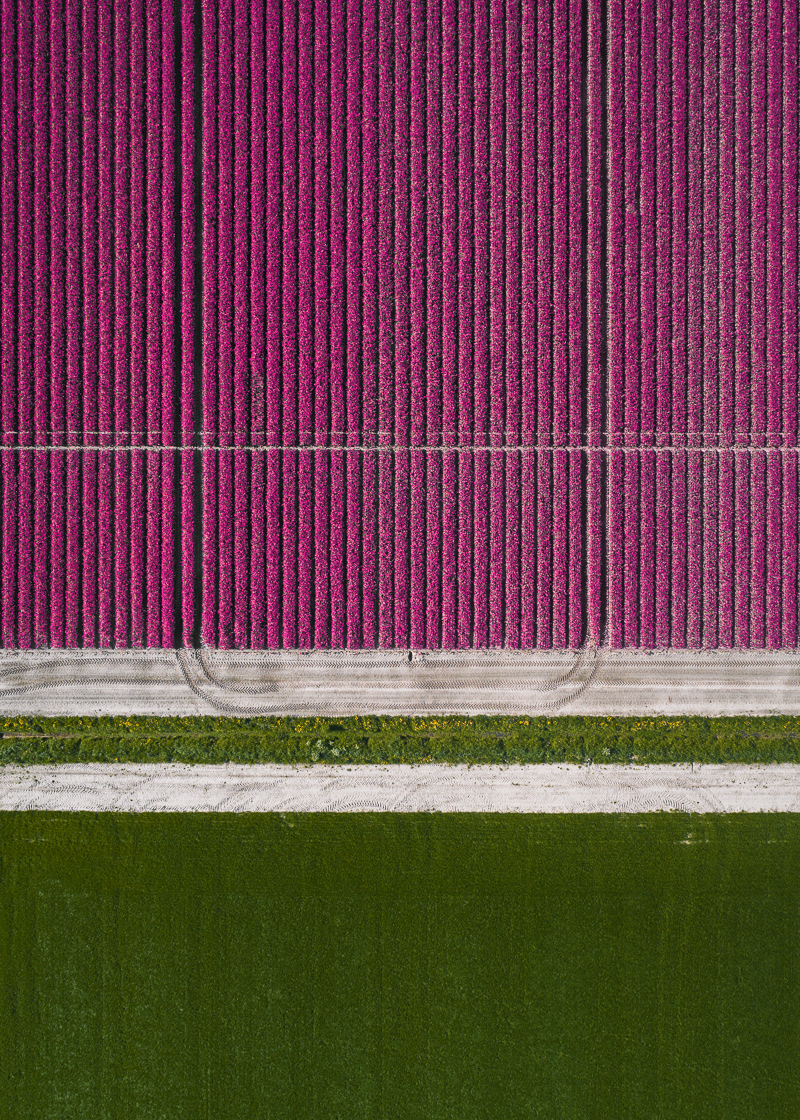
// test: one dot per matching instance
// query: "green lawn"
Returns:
(482, 739)
(390, 966)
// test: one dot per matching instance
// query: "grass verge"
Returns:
(383, 739)
(413, 965)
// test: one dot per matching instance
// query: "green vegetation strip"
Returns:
(378, 739)
(324, 967)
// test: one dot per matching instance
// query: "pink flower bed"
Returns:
(399, 325)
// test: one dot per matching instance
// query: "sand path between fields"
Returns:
(565, 788)
(590, 681)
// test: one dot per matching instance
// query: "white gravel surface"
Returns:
(402, 789)
(609, 682)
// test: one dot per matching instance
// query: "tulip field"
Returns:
(399, 324)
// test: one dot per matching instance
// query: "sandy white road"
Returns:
(613, 682)
(402, 789)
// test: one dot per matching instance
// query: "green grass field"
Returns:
(390, 966)
(383, 739)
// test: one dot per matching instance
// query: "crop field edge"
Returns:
(479, 740)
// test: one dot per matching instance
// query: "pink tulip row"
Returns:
(740, 504)
(89, 321)
(466, 315)
(542, 403)
(419, 555)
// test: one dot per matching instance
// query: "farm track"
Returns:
(398, 788)
(399, 682)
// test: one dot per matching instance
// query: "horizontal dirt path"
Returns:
(612, 682)
(563, 788)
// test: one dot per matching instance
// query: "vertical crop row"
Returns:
(699, 198)
(497, 311)
(93, 110)
(409, 344)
